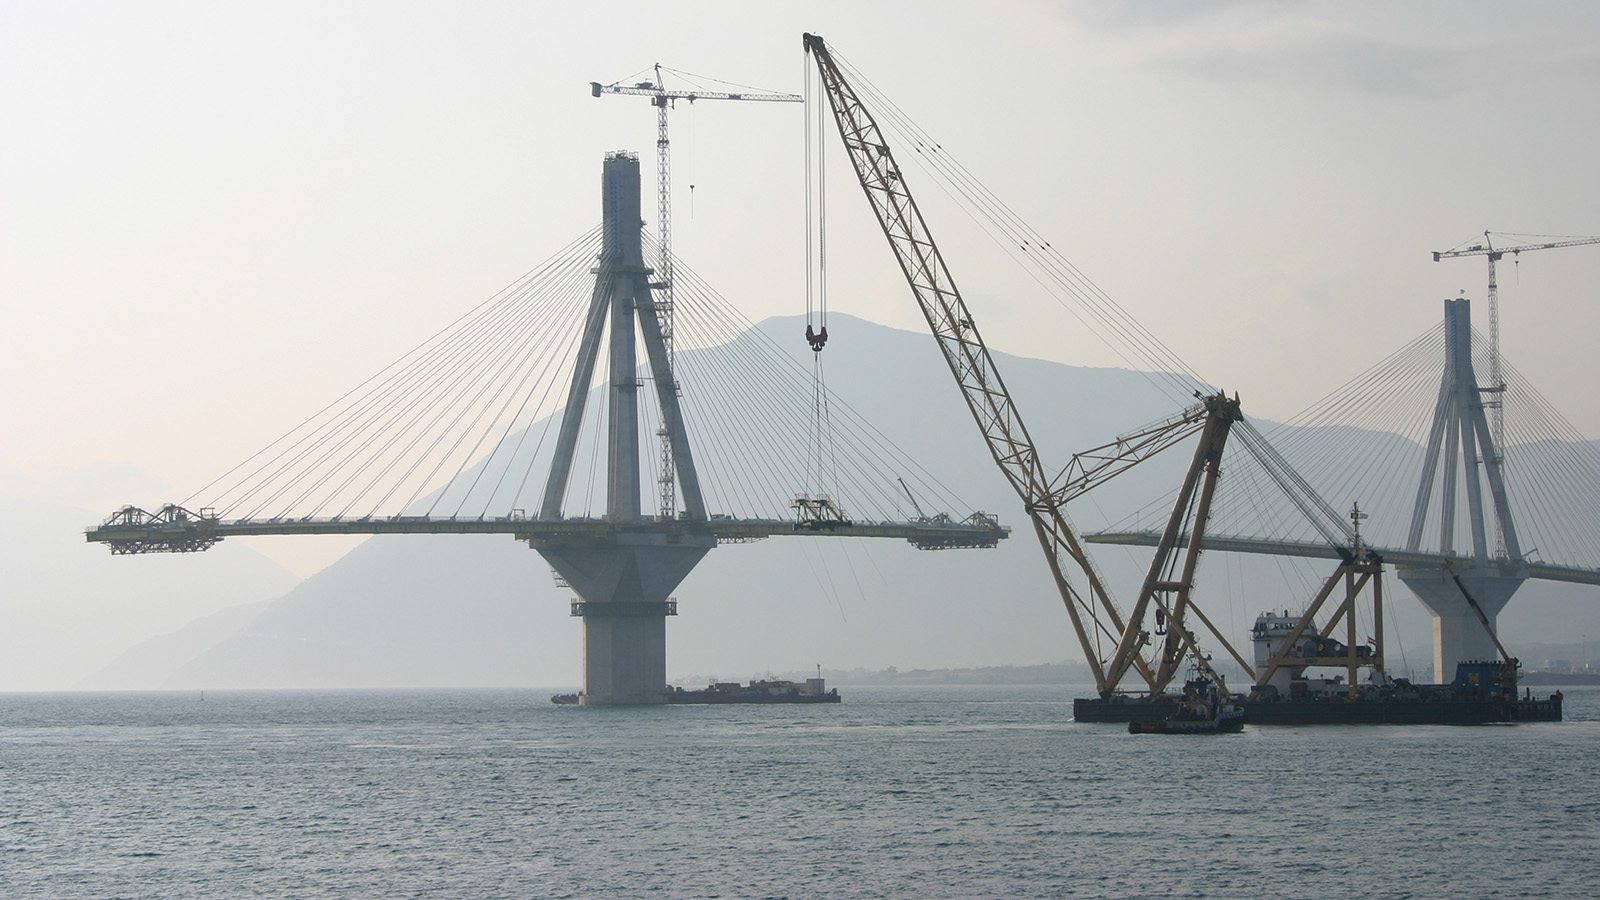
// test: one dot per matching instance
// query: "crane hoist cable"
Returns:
(816, 184)
(820, 453)
(1093, 612)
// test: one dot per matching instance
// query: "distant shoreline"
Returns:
(1547, 678)
(1050, 673)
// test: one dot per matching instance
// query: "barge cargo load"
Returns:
(1202, 710)
(1442, 712)
(813, 690)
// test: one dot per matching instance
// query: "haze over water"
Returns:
(933, 792)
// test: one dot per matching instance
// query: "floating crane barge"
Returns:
(1286, 646)
(1482, 693)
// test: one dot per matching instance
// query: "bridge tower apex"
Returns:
(623, 300)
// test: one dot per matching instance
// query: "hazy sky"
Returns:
(216, 217)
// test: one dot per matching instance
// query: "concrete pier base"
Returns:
(1458, 636)
(624, 654)
(624, 583)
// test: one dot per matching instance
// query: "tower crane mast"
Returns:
(1494, 254)
(663, 99)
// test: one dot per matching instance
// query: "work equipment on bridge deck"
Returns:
(624, 565)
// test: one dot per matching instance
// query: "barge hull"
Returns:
(1440, 712)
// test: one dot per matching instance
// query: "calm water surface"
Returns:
(898, 792)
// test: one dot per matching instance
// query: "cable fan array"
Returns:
(463, 425)
(1301, 483)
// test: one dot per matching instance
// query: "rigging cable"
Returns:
(817, 286)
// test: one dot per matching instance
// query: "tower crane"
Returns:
(663, 99)
(1494, 254)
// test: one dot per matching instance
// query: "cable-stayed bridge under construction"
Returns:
(1477, 518)
(527, 409)
(459, 437)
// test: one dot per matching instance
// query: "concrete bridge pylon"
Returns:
(1461, 451)
(624, 559)
(624, 579)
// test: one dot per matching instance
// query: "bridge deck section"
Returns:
(1543, 571)
(188, 533)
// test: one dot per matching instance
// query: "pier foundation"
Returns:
(1458, 636)
(624, 583)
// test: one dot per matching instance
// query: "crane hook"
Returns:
(817, 339)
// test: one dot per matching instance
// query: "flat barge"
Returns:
(776, 691)
(1483, 693)
(1335, 712)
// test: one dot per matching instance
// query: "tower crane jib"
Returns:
(1493, 254)
(663, 99)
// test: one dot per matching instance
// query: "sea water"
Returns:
(924, 792)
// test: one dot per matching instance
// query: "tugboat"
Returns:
(1203, 710)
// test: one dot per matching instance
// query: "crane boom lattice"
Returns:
(965, 352)
(1095, 616)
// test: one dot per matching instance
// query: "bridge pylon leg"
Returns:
(625, 579)
(1461, 446)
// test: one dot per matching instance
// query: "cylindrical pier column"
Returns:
(624, 651)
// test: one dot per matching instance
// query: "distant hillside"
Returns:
(154, 662)
(69, 607)
(405, 611)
